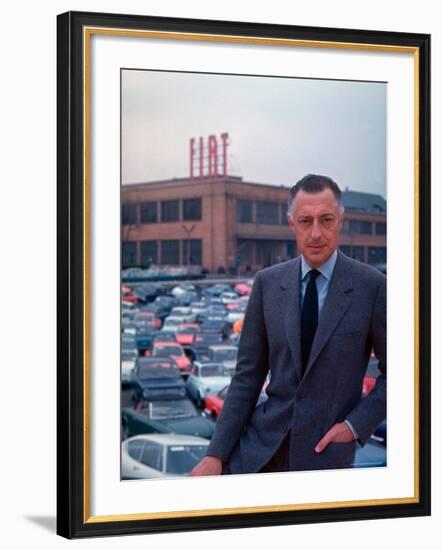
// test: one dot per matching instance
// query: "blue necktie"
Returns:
(309, 317)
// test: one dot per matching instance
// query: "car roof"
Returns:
(171, 439)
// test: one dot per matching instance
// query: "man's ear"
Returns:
(341, 220)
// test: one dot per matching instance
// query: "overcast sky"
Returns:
(280, 128)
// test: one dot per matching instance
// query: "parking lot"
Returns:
(179, 344)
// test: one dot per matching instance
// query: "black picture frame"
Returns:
(73, 519)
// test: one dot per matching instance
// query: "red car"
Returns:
(244, 289)
(149, 318)
(368, 385)
(128, 296)
(370, 376)
(187, 333)
(174, 351)
(214, 403)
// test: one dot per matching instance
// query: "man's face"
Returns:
(316, 221)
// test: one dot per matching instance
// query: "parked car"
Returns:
(215, 327)
(156, 377)
(171, 415)
(148, 318)
(161, 455)
(198, 307)
(244, 289)
(214, 403)
(164, 336)
(225, 354)
(229, 297)
(370, 376)
(129, 350)
(236, 315)
(202, 342)
(182, 288)
(144, 338)
(128, 296)
(127, 367)
(147, 293)
(380, 434)
(174, 351)
(184, 313)
(187, 333)
(206, 378)
(173, 323)
(373, 454)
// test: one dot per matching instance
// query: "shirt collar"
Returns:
(325, 269)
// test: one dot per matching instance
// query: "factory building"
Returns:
(223, 223)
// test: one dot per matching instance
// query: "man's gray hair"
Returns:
(313, 183)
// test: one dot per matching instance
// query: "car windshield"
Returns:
(173, 321)
(160, 410)
(157, 370)
(167, 351)
(181, 459)
(225, 354)
(145, 316)
(213, 370)
(188, 330)
(165, 337)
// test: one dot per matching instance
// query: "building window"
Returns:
(355, 252)
(129, 253)
(191, 209)
(148, 253)
(170, 252)
(377, 255)
(246, 251)
(361, 227)
(266, 212)
(148, 212)
(129, 214)
(244, 212)
(381, 229)
(291, 249)
(192, 255)
(170, 211)
(284, 209)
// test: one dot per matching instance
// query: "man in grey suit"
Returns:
(310, 327)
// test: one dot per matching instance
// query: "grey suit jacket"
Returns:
(352, 323)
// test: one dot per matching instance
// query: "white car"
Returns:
(225, 354)
(127, 367)
(206, 378)
(161, 455)
(179, 290)
(229, 297)
(234, 315)
(184, 313)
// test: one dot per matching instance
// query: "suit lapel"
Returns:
(337, 301)
(292, 311)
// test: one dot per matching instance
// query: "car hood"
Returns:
(215, 383)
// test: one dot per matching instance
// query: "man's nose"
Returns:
(316, 230)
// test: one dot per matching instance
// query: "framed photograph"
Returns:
(243, 241)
